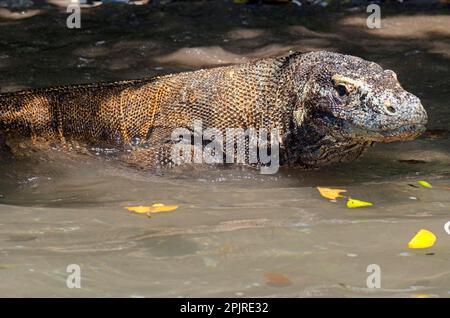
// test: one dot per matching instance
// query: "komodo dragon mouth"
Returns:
(348, 130)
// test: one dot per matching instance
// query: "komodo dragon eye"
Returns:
(341, 89)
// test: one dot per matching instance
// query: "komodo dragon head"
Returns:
(348, 104)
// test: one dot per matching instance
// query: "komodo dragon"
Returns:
(328, 108)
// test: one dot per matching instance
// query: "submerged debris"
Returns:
(277, 279)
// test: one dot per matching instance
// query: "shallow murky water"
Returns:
(234, 229)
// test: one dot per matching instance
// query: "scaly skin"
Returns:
(328, 108)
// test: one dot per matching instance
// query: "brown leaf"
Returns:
(277, 279)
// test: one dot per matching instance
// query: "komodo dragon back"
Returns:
(328, 108)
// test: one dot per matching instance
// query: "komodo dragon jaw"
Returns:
(328, 107)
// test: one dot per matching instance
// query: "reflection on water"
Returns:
(233, 226)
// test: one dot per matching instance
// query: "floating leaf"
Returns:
(330, 193)
(155, 208)
(159, 207)
(424, 184)
(277, 279)
(353, 203)
(138, 209)
(422, 239)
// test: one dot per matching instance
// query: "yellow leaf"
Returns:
(353, 203)
(424, 184)
(138, 209)
(159, 207)
(422, 239)
(330, 193)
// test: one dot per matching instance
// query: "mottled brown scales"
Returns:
(328, 107)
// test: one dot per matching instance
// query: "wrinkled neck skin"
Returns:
(307, 143)
(309, 147)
